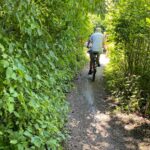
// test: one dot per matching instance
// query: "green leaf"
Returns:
(36, 141)
(10, 73)
(10, 47)
(33, 26)
(28, 78)
(10, 107)
(52, 142)
(4, 63)
(2, 47)
(13, 141)
(10, 99)
(1, 133)
(28, 134)
(148, 20)
(16, 114)
(20, 147)
(4, 56)
(38, 76)
(33, 103)
(39, 32)
(14, 76)
(11, 90)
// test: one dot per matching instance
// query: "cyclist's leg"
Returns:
(91, 64)
(94, 61)
(91, 60)
(97, 59)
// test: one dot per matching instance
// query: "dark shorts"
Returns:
(94, 53)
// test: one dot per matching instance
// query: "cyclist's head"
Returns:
(98, 29)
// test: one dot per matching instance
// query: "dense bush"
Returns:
(40, 52)
(129, 70)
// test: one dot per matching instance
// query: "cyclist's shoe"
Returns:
(90, 72)
(98, 65)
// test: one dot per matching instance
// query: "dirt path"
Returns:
(92, 126)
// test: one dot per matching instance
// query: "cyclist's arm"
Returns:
(89, 42)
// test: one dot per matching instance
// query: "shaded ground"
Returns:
(92, 126)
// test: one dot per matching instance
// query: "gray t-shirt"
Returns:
(97, 40)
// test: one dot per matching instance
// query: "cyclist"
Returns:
(97, 44)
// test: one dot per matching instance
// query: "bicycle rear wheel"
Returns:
(94, 56)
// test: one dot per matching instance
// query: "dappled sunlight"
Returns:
(74, 123)
(101, 124)
(131, 121)
(102, 128)
(104, 59)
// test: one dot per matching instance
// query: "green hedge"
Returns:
(129, 71)
(40, 52)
